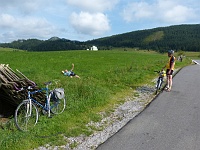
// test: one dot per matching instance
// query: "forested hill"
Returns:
(178, 37)
(52, 44)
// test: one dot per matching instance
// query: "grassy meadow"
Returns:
(105, 76)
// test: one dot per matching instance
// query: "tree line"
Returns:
(178, 37)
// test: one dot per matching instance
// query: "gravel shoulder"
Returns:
(111, 124)
(120, 117)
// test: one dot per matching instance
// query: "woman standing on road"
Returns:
(170, 69)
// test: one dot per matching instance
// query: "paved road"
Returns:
(171, 122)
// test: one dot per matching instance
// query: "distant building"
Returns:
(94, 48)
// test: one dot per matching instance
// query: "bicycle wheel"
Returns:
(158, 85)
(57, 106)
(26, 116)
(161, 81)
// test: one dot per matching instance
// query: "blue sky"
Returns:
(84, 20)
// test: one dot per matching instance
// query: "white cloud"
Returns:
(172, 12)
(93, 5)
(8, 36)
(91, 24)
(22, 6)
(166, 11)
(89, 19)
(6, 21)
(137, 11)
(178, 14)
(25, 27)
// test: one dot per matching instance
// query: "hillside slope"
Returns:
(178, 37)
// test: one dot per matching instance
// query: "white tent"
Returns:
(94, 48)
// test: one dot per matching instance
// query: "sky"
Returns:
(84, 20)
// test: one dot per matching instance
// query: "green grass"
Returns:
(9, 49)
(106, 77)
(192, 55)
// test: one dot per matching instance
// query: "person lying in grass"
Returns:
(70, 73)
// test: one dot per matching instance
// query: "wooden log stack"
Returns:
(11, 93)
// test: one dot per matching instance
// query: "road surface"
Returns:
(170, 122)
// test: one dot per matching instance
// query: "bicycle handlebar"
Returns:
(31, 87)
(157, 71)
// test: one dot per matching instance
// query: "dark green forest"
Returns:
(177, 37)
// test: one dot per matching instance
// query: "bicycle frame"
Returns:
(46, 106)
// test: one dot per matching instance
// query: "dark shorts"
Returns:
(72, 74)
(170, 72)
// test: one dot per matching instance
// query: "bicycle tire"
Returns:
(158, 85)
(161, 82)
(26, 117)
(57, 106)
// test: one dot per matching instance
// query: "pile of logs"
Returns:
(11, 93)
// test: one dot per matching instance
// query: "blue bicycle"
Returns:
(26, 114)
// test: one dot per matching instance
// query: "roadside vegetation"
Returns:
(105, 76)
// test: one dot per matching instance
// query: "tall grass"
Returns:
(104, 75)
